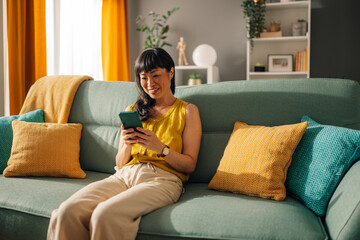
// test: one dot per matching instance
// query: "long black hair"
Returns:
(147, 61)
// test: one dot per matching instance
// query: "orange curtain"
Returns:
(115, 43)
(26, 48)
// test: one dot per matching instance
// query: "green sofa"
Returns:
(26, 203)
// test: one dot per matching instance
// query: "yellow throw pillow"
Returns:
(256, 160)
(45, 149)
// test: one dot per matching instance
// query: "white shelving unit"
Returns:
(210, 74)
(286, 13)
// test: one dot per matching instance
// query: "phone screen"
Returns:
(130, 119)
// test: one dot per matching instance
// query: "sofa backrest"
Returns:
(258, 102)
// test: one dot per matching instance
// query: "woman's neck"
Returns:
(165, 102)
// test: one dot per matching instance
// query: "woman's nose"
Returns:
(150, 81)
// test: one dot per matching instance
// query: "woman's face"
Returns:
(156, 83)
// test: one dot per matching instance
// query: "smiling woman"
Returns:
(151, 163)
(153, 68)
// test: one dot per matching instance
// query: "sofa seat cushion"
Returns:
(40, 195)
(204, 213)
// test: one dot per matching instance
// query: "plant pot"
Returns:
(299, 29)
(275, 27)
(193, 82)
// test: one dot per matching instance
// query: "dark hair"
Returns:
(147, 61)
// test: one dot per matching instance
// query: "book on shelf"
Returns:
(301, 62)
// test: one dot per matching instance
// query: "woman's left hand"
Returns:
(149, 140)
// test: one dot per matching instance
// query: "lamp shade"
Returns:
(204, 55)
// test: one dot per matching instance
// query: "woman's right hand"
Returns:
(127, 136)
(125, 144)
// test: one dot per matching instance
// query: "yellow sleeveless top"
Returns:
(169, 129)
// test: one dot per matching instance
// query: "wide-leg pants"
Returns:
(112, 208)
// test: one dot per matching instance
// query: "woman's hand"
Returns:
(128, 136)
(148, 139)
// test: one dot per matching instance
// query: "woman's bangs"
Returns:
(149, 62)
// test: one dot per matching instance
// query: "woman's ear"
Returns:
(172, 72)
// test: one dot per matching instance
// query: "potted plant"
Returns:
(299, 28)
(194, 79)
(155, 33)
(254, 13)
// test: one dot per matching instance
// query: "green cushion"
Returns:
(204, 213)
(320, 161)
(27, 202)
(6, 133)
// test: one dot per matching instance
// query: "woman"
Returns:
(151, 164)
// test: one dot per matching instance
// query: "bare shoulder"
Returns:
(192, 109)
(192, 113)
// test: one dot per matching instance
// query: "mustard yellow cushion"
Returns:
(45, 149)
(256, 160)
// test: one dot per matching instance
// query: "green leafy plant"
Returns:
(254, 13)
(155, 33)
(195, 76)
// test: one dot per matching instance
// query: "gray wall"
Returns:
(218, 23)
(1, 62)
(335, 33)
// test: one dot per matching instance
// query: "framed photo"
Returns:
(280, 62)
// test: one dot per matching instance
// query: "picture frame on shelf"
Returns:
(280, 62)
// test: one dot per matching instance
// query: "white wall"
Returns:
(1, 62)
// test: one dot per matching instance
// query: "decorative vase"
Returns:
(299, 29)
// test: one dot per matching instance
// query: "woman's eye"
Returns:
(155, 75)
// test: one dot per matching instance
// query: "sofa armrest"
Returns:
(343, 214)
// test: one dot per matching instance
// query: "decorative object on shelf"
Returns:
(275, 27)
(259, 67)
(254, 13)
(181, 46)
(270, 34)
(194, 79)
(299, 28)
(156, 33)
(280, 63)
(204, 55)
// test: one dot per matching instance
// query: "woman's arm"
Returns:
(185, 162)
(125, 144)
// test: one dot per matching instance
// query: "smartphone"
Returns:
(130, 119)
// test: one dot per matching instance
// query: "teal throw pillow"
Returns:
(6, 133)
(320, 161)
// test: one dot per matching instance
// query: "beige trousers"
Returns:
(112, 208)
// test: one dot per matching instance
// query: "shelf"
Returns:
(286, 13)
(210, 73)
(276, 73)
(287, 5)
(285, 39)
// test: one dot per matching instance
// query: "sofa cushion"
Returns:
(320, 161)
(209, 214)
(45, 149)
(6, 133)
(32, 199)
(263, 102)
(256, 160)
(41, 195)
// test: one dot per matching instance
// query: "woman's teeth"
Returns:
(153, 90)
